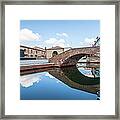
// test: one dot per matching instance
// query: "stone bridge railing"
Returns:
(73, 55)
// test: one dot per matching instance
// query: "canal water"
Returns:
(80, 82)
(33, 62)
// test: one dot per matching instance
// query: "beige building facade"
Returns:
(39, 53)
(51, 52)
(29, 52)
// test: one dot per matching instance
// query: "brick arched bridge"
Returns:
(71, 57)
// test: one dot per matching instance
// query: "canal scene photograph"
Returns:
(59, 59)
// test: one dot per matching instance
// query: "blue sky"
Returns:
(64, 33)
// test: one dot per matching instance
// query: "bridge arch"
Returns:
(72, 60)
(72, 56)
(54, 53)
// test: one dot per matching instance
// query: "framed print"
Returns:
(59, 59)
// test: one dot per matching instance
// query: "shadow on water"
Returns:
(72, 77)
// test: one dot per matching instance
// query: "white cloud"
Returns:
(87, 42)
(62, 34)
(60, 42)
(49, 75)
(56, 42)
(65, 34)
(51, 41)
(26, 34)
(29, 80)
(58, 34)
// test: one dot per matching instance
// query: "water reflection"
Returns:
(66, 76)
(29, 80)
(75, 79)
(89, 69)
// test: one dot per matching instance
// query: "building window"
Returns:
(24, 50)
(22, 53)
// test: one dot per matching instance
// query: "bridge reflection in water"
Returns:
(72, 77)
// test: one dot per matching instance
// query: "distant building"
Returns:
(39, 53)
(29, 52)
(51, 52)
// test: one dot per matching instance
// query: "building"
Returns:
(51, 52)
(39, 53)
(29, 52)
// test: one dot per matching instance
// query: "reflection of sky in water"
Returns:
(86, 72)
(44, 86)
(83, 71)
(29, 80)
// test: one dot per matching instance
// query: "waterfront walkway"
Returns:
(28, 69)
